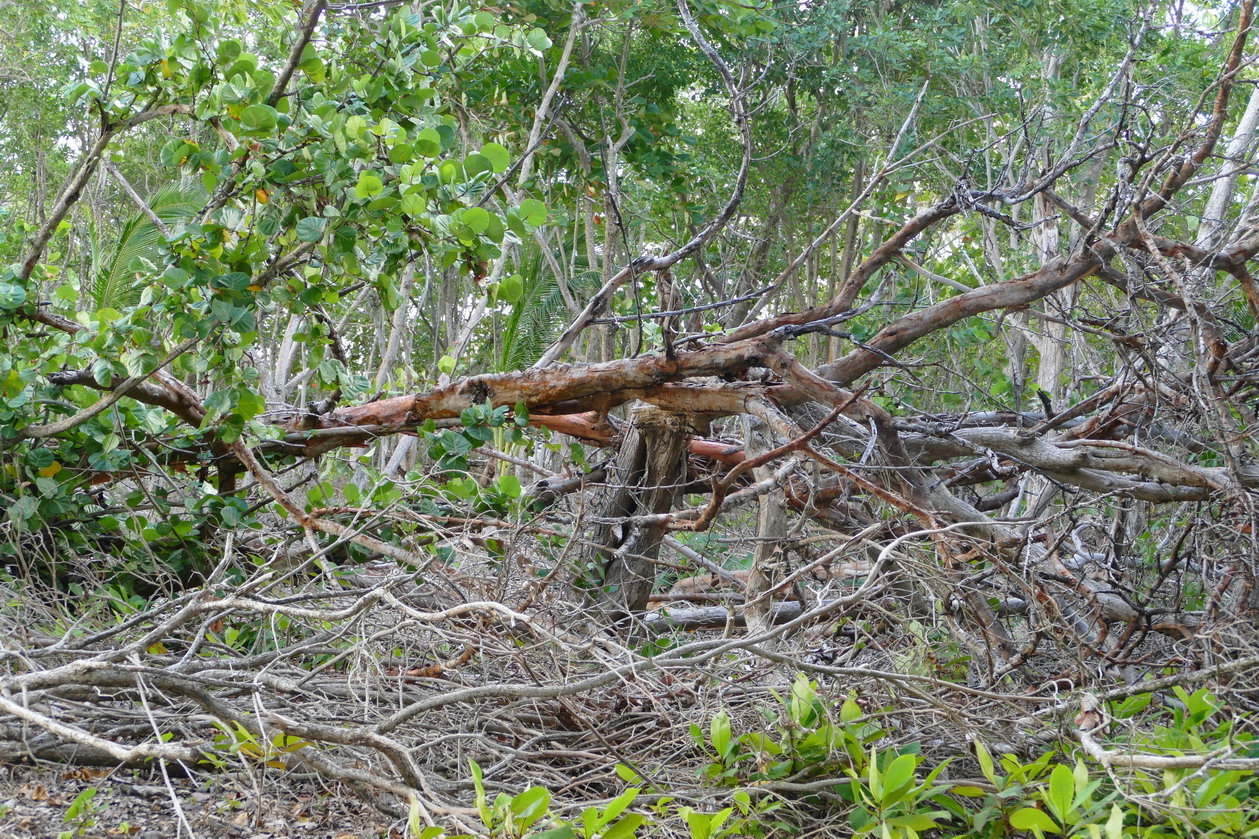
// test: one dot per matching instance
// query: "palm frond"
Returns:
(140, 242)
(537, 318)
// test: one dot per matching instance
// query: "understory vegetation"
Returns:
(700, 418)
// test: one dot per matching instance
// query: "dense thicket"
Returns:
(444, 368)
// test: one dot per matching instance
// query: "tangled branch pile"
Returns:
(297, 479)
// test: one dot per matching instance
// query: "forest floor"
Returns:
(35, 801)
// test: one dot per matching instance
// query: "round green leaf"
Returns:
(511, 289)
(428, 143)
(174, 152)
(245, 64)
(509, 485)
(369, 184)
(474, 164)
(533, 211)
(355, 126)
(498, 157)
(228, 51)
(401, 153)
(310, 61)
(311, 229)
(451, 171)
(431, 58)
(386, 128)
(12, 295)
(259, 119)
(236, 281)
(494, 230)
(538, 40)
(477, 219)
(414, 204)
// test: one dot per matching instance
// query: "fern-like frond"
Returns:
(537, 318)
(115, 284)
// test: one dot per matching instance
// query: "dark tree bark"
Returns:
(650, 471)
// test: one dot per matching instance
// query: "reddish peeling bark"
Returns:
(554, 388)
(588, 428)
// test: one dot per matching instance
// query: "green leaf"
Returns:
(79, 804)
(1029, 818)
(428, 143)
(24, 509)
(498, 157)
(369, 184)
(414, 204)
(511, 289)
(461, 488)
(627, 774)
(477, 218)
(616, 806)
(228, 51)
(538, 40)
(849, 711)
(1061, 791)
(474, 164)
(386, 128)
(236, 281)
(719, 732)
(446, 364)
(898, 775)
(530, 805)
(916, 822)
(174, 152)
(509, 485)
(533, 211)
(698, 823)
(141, 241)
(311, 64)
(1114, 824)
(431, 59)
(311, 229)
(259, 119)
(478, 783)
(12, 295)
(965, 791)
(249, 404)
(985, 761)
(401, 153)
(495, 230)
(451, 171)
(626, 827)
